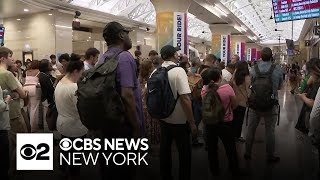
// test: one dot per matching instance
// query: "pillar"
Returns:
(63, 32)
(238, 46)
(221, 41)
(172, 23)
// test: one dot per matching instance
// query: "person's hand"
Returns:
(8, 99)
(194, 129)
(59, 77)
(302, 95)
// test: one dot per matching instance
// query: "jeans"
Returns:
(238, 115)
(270, 119)
(181, 134)
(224, 132)
(4, 155)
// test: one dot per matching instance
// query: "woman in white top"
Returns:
(33, 87)
(68, 122)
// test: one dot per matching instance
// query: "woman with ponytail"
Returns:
(222, 128)
(68, 122)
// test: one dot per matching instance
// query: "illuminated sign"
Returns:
(289, 10)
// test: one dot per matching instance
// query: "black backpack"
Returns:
(262, 97)
(160, 98)
(213, 110)
(99, 104)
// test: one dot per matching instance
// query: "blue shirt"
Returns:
(277, 75)
(126, 77)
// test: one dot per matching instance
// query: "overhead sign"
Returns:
(288, 10)
(249, 54)
(225, 48)
(240, 50)
(2, 36)
(253, 54)
(180, 32)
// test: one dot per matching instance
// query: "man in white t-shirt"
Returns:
(177, 126)
(227, 73)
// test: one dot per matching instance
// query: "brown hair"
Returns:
(4, 52)
(145, 69)
(34, 65)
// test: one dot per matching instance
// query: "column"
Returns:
(238, 46)
(63, 32)
(172, 23)
(221, 41)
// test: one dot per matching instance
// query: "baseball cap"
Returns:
(112, 29)
(168, 51)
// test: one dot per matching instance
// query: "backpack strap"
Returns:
(270, 71)
(114, 56)
(171, 67)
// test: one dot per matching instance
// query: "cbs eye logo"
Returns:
(28, 151)
(34, 151)
(65, 144)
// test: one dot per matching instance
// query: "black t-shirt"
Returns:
(47, 87)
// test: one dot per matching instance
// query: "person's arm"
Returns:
(309, 102)
(4, 102)
(126, 75)
(14, 85)
(129, 101)
(184, 91)
(187, 107)
(234, 102)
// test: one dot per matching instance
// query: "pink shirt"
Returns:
(226, 93)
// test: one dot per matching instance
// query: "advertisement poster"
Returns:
(172, 30)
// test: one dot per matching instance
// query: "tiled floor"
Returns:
(298, 157)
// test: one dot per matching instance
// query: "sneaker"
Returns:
(273, 159)
(247, 157)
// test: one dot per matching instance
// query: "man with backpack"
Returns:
(168, 100)
(263, 102)
(110, 100)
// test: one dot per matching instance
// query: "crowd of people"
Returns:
(207, 92)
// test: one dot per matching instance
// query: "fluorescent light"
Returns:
(243, 28)
(50, 14)
(238, 28)
(26, 10)
(18, 19)
(68, 27)
(191, 15)
(220, 11)
(89, 37)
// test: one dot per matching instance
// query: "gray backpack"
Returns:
(99, 104)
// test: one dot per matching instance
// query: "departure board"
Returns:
(1, 36)
(289, 10)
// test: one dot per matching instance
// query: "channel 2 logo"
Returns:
(34, 151)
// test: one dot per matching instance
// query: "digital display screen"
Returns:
(289, 10)
(1, 36)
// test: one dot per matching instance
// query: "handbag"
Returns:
(51, 117)
(52, 112)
